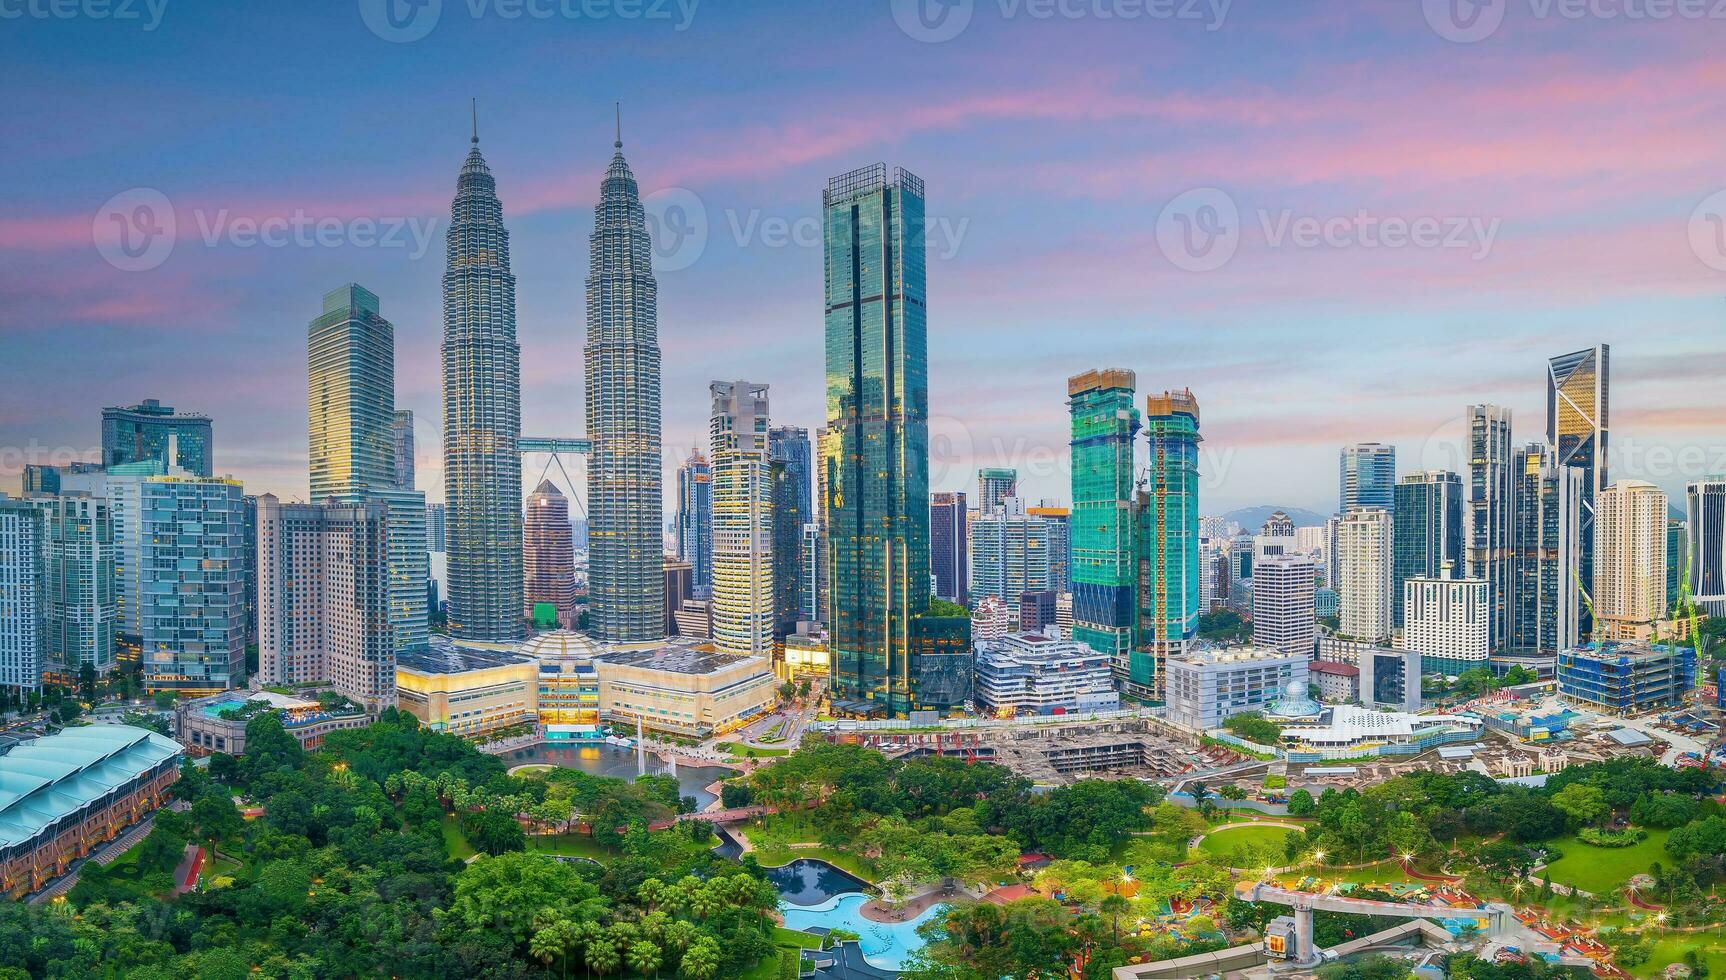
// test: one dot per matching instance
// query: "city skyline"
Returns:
(1645, 292)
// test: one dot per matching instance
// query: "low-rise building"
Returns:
(62, 795)
(1350, 731)
(568, 679)
(1038, 673)
(806, 654)
(217, 723)
(685, 688)
(1204, 687)
(468, 689)
(1337, 682)
(1627, 679)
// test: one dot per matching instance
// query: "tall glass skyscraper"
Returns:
(1367, 476)
(351, 395)
(192, 579)
(1104, 565)
(1426, 533)
(1546, 590)
(1705, 547)
(695, 521)
(79, 608)
(1578, 413)
(792, 457)
(404, 436)
(1168, 542)
(141, 433)
(625, 566)
(481, 414)
(876, 452)
(949, 554)
(1490, 515)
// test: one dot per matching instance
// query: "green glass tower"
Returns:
(1104, 565)
(1168, 541)
(875, 457)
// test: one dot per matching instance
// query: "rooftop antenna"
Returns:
(475, 106)
(618, 106)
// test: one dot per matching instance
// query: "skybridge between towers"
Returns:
(556, 447)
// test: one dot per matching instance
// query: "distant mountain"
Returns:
(1253, 518)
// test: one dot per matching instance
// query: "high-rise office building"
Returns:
(1705, 524)
(351, 395)
(949, 557)
(482, 414)
(323, 598)
(694, 530)
(249, 565)
(435, 527)
(403, 431)
(625, 578)
(1009, 553)
(1447, 621)
(22, 617)
(1060, 522)
(1364, 574)
(548, 554)
(793, 476)
(1427, 531)
(142, 432)
(1104, 564)
(1489, 513)
(1168, 532)
(1578, 413)
(354, 445)
(994, 486)
(78, 580)
(743, 519)
(679, 588)
(1284, 614)
(875, 456)
(1629, 560)
(192, 609)
(1367, 476)
(1546, 595)
(1677, 558)
(809, 579)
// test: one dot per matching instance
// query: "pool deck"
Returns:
(876, 910)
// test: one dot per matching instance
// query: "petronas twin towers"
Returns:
(482, 416)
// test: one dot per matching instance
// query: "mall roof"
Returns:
(50, 777)
(446, 657)
(676, 659)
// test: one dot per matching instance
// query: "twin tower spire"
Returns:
(482, 414)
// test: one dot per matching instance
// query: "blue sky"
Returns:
(1410, 221)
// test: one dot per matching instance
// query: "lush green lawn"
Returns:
(571, 845)
(1232, 842)
(1710, 945)
(455, 840)
(1603, 870)
(750, 751)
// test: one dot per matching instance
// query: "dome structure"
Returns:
(556, 645)
(1295, 703)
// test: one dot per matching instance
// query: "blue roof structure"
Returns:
(46, 779)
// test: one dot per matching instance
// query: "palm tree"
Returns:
(1112, 906)
(644, 957)
(545, 945)
(602, 956)
(701, 961)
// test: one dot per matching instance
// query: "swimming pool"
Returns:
(887, 945)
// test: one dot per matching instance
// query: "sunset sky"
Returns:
(1568, 164)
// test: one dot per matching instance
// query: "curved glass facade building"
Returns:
(481, 414)
(1169, 541)
(875, 455)
(625, 486)
(1104, 569)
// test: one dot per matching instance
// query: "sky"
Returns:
(1335, 222)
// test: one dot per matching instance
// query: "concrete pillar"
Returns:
(1303, 916)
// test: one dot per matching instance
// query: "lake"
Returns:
(617, 761)
(809, 882)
